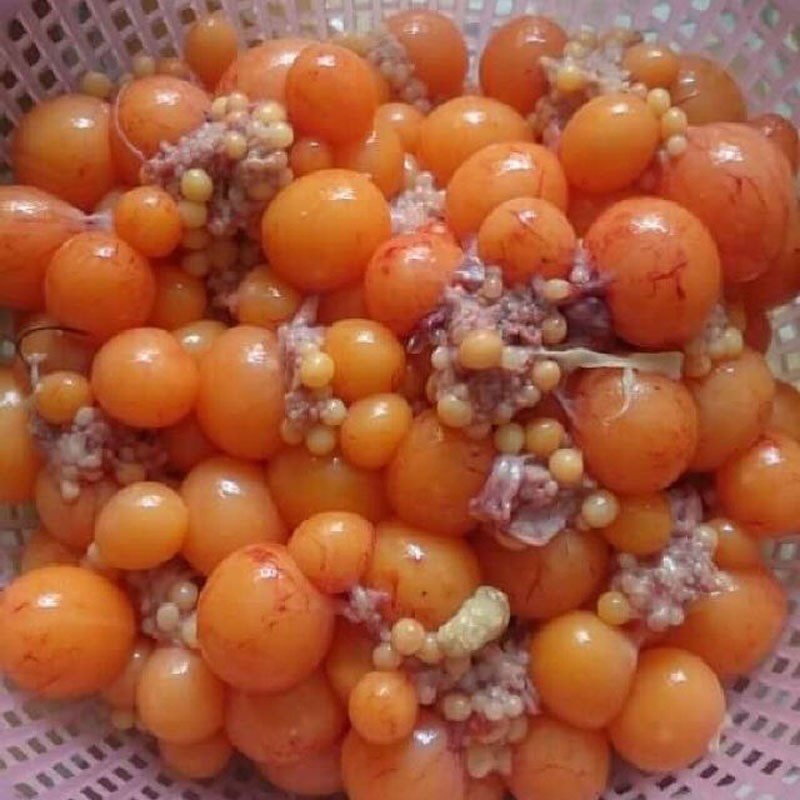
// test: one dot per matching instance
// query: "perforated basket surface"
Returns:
(68, 752)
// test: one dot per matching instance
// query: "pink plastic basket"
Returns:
(68, 752)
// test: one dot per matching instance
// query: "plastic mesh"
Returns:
(67, 752)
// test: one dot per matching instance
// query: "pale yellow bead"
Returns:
(697, 366)
(129, 473)
(237, 102)
(279, 135)
(440, 358)
(321, 440)
(480, 760)
(196, 239)
(219, 108)
(480, 349)
(587, 36)
(492, 286)
(554, 329)
(503, 413)
(707, 535)
(193, 215)
(334, 412)
(659, 101)
(268, 112)
(613, 608)
(189, 631)
(566, 466)
(733, 342)
(235, 145)
(196, 185)
(168, 617)
(184, 595)
(546, 374)
(291, 434)
(408, 636)
(385, 657)
(509, 438)
(571, 78)
(640, 90)
(430, 652)
(543, 436)
(223, 253)
(456, 707)
(673, 123)
(676, 145)
(142, 66)
(716, 348)
(97, 84)
(196, 264)
(575, 49)
(599, 509)
(556, 290)
(453, 412)
(316, 370)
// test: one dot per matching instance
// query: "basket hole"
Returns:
(80, 762)
(121, 19)
(187, 16)
(159, 28)
(25, 103)
(55, 33)
(16, 30)
(47, 79)
(31, 54)
(45, 780)
(150, 793)
(41, 8)
(36, 746)
(771, 765)
(63, 770)
(91, 794)
(25, 791)
(752, 757)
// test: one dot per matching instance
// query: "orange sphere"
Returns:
(58, 396)
(285, 726)
(643, 525)
(557, 761)
(310, 155)
(316, 775)
(734, 403)
(19, 458)
(197, 337)
(333, 549)
(260, 71)
(734, 630)
(330, 93)
(180, 298)
(64, 632)
(345, 303)
(735, 549)
(585, 209)
(786, 410)
(141, 526)
(781, 282)
(509, 65)
(527, 237)
(240, 402)
(261, 624)
(662, 267)
(675, 708)
(198, 760)
(451, 133)
(229, 507)
(609, 142)
(638, 432)
(143, 378)
(781, 132)
(62, 146)
(582, 669)
(435, 47)
(147, 218)
(71, 522)
(210, 47)
(383, 707)
(33, 225)
(543, 582)
(760, 487)
(149, 112)
(320, 232)
(265, 300)
(303, 484)
(435, 473)
(98, 284)
(724, 161)
(427, 760)
(374, 428)
(424, 576)
(349, 658)
(121, 693)
(652, 63)
(501, 172)
(178, 698)
(368, 358)
(404, 119)
(378, 154)
(705, 92)
(43, 550)
(406, 277)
